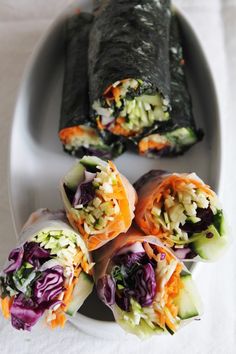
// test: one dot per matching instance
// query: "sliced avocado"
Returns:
(91, 163)
(188, 300)
(74, 176)
(209, 244)
(81, 291)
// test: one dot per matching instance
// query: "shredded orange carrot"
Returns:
(110, 94)
(145, 145)
(111, 88)
(6, 304)
(85, 264)
(172, 289)
(99, 124)
(78, 256)
(119, 130)
(170, 324)
(151, 253)
(68, 293)
(148, 250)
(77, 272)
(170, 185)
(121, 222)
(124, 203)
(59, 321)
(107, 90)
(116, 93)
(67, 134)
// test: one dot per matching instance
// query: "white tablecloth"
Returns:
(22, 23)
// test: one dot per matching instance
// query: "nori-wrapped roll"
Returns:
(129, 67)
(179, 133)
(76, 131)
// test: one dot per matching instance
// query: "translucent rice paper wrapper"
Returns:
(75, 173)
(46, 220)
(146, 187)
(43, 220)
(104, 256)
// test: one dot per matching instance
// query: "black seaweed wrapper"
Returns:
(75, 98)
(75, 105)
(130, 39)
(181, 115)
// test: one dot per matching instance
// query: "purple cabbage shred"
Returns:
(49, 285)
(25, 313)
(16, 256)
(34, 254)
(130, 258)
(144, 285)
(85, 191)
(206, 216)
(106, 290)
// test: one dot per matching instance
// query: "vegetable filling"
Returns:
(174, 140)
(98, 200)
(75, 137)
(41, 278)
(144, 284)
(128, 106)
(181, 210)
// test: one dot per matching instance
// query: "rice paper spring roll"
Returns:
(76, 131)
(184, 212)
(148, 289)
(98, 200)
(129, 73)
(48, 275)
(180, 132)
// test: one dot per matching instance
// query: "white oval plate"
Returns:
(37, 161)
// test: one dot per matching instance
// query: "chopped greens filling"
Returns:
(61, 244)
(144, 289)
(75, 137)
(39, 275)
(185, 210)
(104, 206)
(129, 106)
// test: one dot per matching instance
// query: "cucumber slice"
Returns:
(210, 248)
(182, 136)
(91, 163)
(74, 176)
(219, 222)
(188, 301)
(81, 291)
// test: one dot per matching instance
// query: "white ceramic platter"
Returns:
(37, 161)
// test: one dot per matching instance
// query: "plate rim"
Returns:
(29, 65)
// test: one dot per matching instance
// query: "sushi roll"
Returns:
(183, 212)
(148, 289)
(76, 129)
(48, 275)
(98, 200)
(179, 132)
(129, 75)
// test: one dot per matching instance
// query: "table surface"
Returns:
(214, 21)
